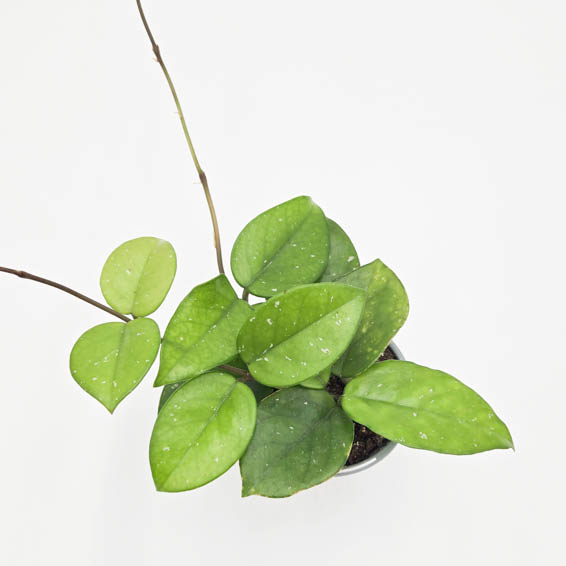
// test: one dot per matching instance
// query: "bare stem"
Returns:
(242, 372)
(26, 275)
(201, 173)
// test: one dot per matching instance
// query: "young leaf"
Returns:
(298, 334)
(202, 332)
(109, 360)
(302, 438)
(424, 408)
(201, 431)
(137, 275)
(385, 312)
(343, 257)
(319, 381)
(281, 248)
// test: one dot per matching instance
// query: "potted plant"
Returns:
(287, 385)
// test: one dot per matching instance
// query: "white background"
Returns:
(434, 132)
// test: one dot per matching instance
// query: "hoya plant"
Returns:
(281, 379)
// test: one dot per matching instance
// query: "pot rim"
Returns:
(380, 454)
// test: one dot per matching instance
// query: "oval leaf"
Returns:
(202, 332)
(343, 257)
(386, 310)
(424, 408)
(319, 381)
(296, 335)
(281, 248)
(201, 431)
(109, 360)
(138, 274)
(302, 438)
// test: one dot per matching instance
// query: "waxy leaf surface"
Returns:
(202, 333)
(138, 274)
(319, 381)
(302, 438)
(424, 408)
(109, 360)
(343, 258)
(298, 334)
(386, 310)
(284, 247)
(201, 431)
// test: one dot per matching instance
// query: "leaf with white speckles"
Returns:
(201, 431)
(343, 258)
(298, 334)
(202, 333)
(386, 310)
(302, 438)
(319, 381)
(138, 275)
(424, 408)
(284, 247)
(109, 360)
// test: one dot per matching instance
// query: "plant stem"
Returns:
(26, 275)
(238, 371)
(246, 295)
(201, 173)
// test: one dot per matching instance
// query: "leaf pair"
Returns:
(294, 244)
(109, 360)
(302, 437)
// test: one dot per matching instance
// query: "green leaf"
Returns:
(282, 248)
(137, 275)
(424, 408)
(201, 431)
(386, 310)
(319, 381)
(302, 438)
(298, 334)
(166, 392)
(109, 360)
(202, 333)
(343, 257)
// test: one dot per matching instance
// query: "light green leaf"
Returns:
(201, 431)
(282, 248)
(424, 408)
(109, 360)
(298, 334)
(319, 381)
(302, 438)
(386, 310)
(202, 333)
(138, 274)
(343, 257)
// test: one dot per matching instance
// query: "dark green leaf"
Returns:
(202, 333)
(166, 392)
(385, 312)
(297, 334)
(424, 408)
(109, 360)
(137, 275)
(302, 438)
(201, 431)
(284, 247)
(343, 257)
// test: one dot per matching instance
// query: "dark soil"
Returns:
(366, 443)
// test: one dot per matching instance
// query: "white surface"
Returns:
(432, 131)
